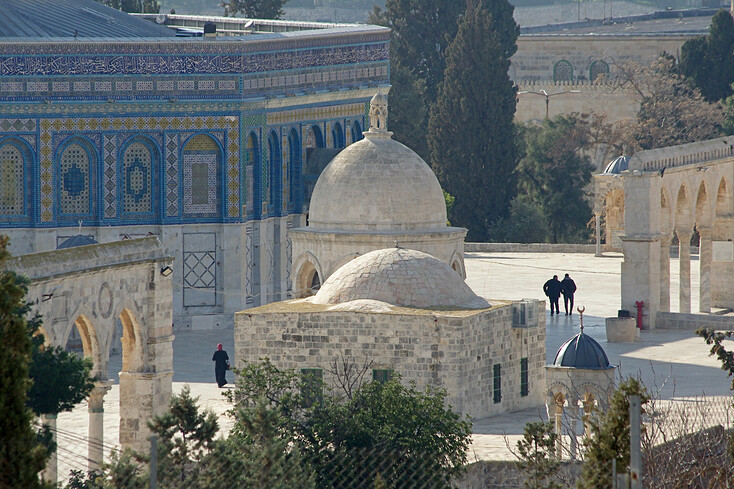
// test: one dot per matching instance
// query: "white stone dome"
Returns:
(377, 184)
(401, 277)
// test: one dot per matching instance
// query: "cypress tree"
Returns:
(22, 457)
(470, 133)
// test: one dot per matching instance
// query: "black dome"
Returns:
(582, 351)
(75, 241)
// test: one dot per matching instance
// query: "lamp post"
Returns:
(547, 96)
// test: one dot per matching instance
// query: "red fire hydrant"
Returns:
(639, 305)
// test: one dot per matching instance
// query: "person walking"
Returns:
(221, 365)
(552, 289)
(568, 288)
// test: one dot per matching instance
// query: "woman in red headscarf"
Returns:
(221, 365)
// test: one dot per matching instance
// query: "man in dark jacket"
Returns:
(568, 289)
(552, 289)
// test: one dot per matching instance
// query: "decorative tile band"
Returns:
(315, 113)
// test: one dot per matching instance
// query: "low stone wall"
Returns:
(486, 474)
(530, 247)
(675, 320)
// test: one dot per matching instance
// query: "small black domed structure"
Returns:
(582, 351)
(617, 165)
(75, 241)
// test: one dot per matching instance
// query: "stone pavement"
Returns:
(675, 363)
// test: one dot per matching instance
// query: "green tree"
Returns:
(470, 132)
(60, 379)
(22, 456)
(186, 436)
(254, 9)
(419, 435)
(610, 437)
(554, 173)
(537, 461)
(709, 61)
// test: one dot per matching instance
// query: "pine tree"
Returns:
(22, 457)
(537, 462)
(470, 132)
(254, 9)
(610, 437)
(553, 175)
(709, 61)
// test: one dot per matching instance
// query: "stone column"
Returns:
(665, 273)
(50, 474)
(559, 431)
(142, 396)
(705, 255)
(684, 256)
(573, 406)
(95, 405)
(597, 219)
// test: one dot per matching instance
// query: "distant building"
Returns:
(580, 55)
(112, 124)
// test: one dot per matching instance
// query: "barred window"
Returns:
(597, 69)
(382, 375)
(562, 71)
(524, 384)
(11, 181)
(497, 383)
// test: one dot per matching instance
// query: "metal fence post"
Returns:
(153, 461)
(635, 450)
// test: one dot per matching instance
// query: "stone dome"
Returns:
(582, 351)
(401, 277)
(377, 184)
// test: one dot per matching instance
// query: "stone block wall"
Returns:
(674, 320)
(455, 352)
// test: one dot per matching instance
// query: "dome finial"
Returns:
(378, 115)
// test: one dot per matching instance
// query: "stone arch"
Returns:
(138, 169)
(308, 275)
(16, 190)
(562, 71)
(683, 217)
(90, 342)
(613, 217)
(275, 173)
(76, 160)
(132, 344)
(356, 131)
(723, 199)
(337, 135)
(202, 163)
(703, 207)
(666, 217)
(457, 264)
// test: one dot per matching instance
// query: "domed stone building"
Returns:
(580, 374)
(373, 194)
(403, 311)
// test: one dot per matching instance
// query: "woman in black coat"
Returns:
(221, 365)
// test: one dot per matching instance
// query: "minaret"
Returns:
(378, 117)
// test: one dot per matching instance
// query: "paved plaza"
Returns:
(673, 362)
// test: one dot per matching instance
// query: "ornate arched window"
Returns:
(275, 181)
(562, 71)
(356, 131)
(12, 178)
(337, 135)
(137, 178)
(294, 168)
(201, 162)
(598, 68)
(76, 164)
(253, 176)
